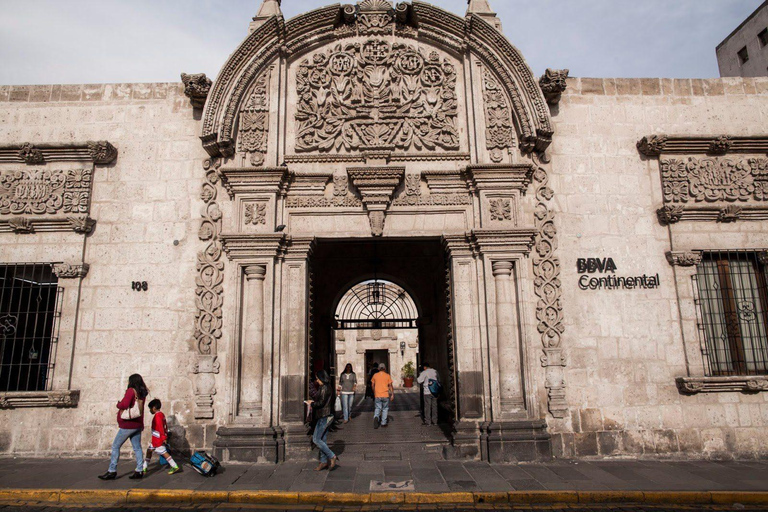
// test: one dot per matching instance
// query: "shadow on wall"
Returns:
(178, 437)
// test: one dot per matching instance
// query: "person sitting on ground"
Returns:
(384, 393)
(159, 437)
(430, 401)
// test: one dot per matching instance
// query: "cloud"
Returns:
(90, 41)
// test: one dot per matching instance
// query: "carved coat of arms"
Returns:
(376, 95)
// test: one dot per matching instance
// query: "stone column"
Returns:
(252, 342)
(507, 339)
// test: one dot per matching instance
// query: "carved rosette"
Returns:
(501, 209)
(70, 271)
(547, 286)
(499, 131)
(254, 121)
(553, 84)
(684, 258)
(209, 294)
(256, 213)
(30, 154)
(652, 145)
(196, 88)
(376, 95)
(101, 151)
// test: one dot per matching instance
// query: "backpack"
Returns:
(434, 387)
(205, 464)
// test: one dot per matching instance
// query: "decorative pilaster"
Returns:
(206, 367)
(507, 341)
(252, 342)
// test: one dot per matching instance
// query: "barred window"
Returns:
(733, 302)
(29, 319)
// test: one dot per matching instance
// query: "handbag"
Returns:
(132, 413)
(434, 387)
(337, 404)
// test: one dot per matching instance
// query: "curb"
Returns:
(163, 496)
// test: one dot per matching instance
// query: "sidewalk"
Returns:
(403, 477)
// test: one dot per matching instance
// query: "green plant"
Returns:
(409, 371)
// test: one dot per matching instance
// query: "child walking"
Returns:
(159, 437)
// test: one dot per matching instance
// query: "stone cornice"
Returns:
(744, 384)
(490, 241)
(673, 213)
(684, 258)
(658, 144)
(70, 271)
(499, 176)
(39, 224)
(99, 152)
(243, 180)
(247, 247)
(18, 399)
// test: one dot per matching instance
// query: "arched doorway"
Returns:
(383, 301)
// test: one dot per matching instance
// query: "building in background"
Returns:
(583, 260)
(745, 51)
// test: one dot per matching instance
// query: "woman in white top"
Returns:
(347, 387)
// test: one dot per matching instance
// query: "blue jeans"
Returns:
(346, 404)
(321, 433)
(124, 434)
(382, 409)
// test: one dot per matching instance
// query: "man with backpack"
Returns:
(430, 385)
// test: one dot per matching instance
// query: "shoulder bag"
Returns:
(134, 412)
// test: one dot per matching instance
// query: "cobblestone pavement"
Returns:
(425, 475)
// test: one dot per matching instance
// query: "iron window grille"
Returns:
(30, 314)
(733, 303)
(376, 304)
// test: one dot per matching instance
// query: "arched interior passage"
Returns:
(388, 291)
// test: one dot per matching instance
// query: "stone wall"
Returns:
(146, 205)
(626, 347)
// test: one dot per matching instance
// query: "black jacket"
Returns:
(322, 406)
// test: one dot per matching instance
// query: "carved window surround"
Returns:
(37, 195)
(19, 399)
(710, 178)
(742, 384)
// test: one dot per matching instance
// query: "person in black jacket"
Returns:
(322, 408)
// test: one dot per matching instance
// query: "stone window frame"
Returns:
(684, 265)
(89, 154)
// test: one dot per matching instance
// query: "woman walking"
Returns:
(347, 387)
(322, 407)
(130, 419)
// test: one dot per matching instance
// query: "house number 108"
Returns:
(139, 286)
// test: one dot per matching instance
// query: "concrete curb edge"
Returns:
(134, 496)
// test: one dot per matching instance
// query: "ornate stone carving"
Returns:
(499, 131)
(323, 202)
(196, 88)
(376, 95)
(457, 199)
(101, 151)
(720, 145)
(254, 120)
(256, 213)
(70, 271)
(340, 185)
(40, 191)
(744, 384)
(377, 186)
(18, 399)
(501, 209)
(730, 213)
(209, 295)
(669, 214)
(412, 184)
(684, 258)
(652, 145)
(714, 179)
(553, 84)
(21, 225)
(83, 224)
(547, 286)
(30, 154)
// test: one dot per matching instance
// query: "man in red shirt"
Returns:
(159, 437)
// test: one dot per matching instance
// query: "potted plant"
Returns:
(409, 372)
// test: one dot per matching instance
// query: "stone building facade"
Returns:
(586, 256)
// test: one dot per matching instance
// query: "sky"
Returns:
(108, 41)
